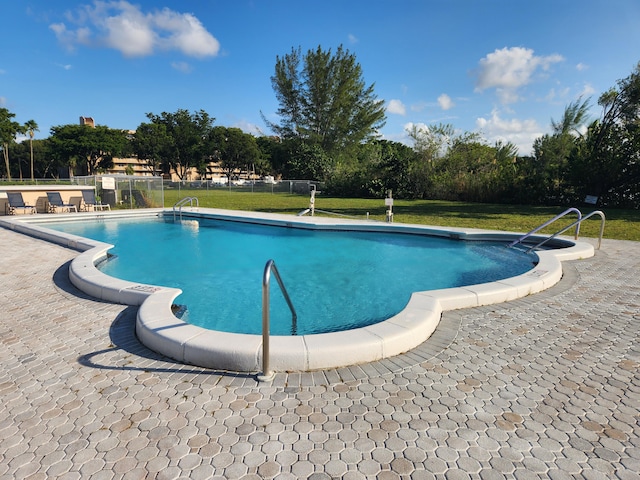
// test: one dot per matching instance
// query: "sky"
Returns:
(502, 68)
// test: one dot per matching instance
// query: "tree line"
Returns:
(329, 120)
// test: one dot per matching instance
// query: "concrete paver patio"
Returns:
(543, 387)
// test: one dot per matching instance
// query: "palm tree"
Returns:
(8, 131)
(574, 118)
(31, 126)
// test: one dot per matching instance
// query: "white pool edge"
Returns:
(161, 331)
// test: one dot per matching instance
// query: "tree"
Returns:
(606, 162)
(431, 145)
(46, 165)
(548, 183)
(269, 150)
(622, 105)
(395, 161)
(452, 165)
(9, 129)
(324, 100)
(182, 143)
(378, 166)
(575, 116)
(306, 160)
(31, 127)
(90, 149)
(151, 145)
(234, 149)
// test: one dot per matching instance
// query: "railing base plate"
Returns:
(265, 377)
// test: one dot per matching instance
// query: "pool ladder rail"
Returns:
(267, 374)
(576, 224)
(180, 203)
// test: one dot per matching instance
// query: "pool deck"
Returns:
(547, 386)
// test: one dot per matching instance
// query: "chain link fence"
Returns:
(126, 191)
(133, 191)
(301, 187)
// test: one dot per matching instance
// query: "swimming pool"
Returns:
(159, 329)
(337, 280)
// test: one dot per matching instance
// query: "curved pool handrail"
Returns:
(181, 203)
(577, 222)
(267, 374)
(549, 222)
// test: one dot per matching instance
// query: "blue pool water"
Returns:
(337, 280)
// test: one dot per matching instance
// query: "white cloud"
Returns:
(581, 66)
(587, 90)
(556, 95)
(183, 67)
(521, 133)
(71, 38)
(248, 127)
(396, 107)
(405, 136)
(418, 107)
(126, 28)
(129, 32)
(185, 33)
(509, 69)
(445, 102)
(420, 127)
(352, 38)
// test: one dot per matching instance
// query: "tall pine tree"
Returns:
(324, 100)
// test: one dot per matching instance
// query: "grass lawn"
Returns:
(620, 224)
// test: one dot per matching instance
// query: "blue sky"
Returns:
(504, 68)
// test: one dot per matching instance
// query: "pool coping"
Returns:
(163, 332)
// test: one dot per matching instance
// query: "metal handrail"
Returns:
(595, 212)
(267, 374)
(181, 203)
(545, 224)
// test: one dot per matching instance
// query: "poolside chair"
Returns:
(89, 201)
(55, 203)
(139, 199)
(15, 201)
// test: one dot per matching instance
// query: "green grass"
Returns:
(620, 224)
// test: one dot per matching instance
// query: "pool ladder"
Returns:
(267, 374)
(576, 224)
(183, 202)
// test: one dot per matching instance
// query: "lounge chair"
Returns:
(139, 199)
(55, 203)
(15, 201)
(89, 201)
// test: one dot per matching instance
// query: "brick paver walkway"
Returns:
(543, 387)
